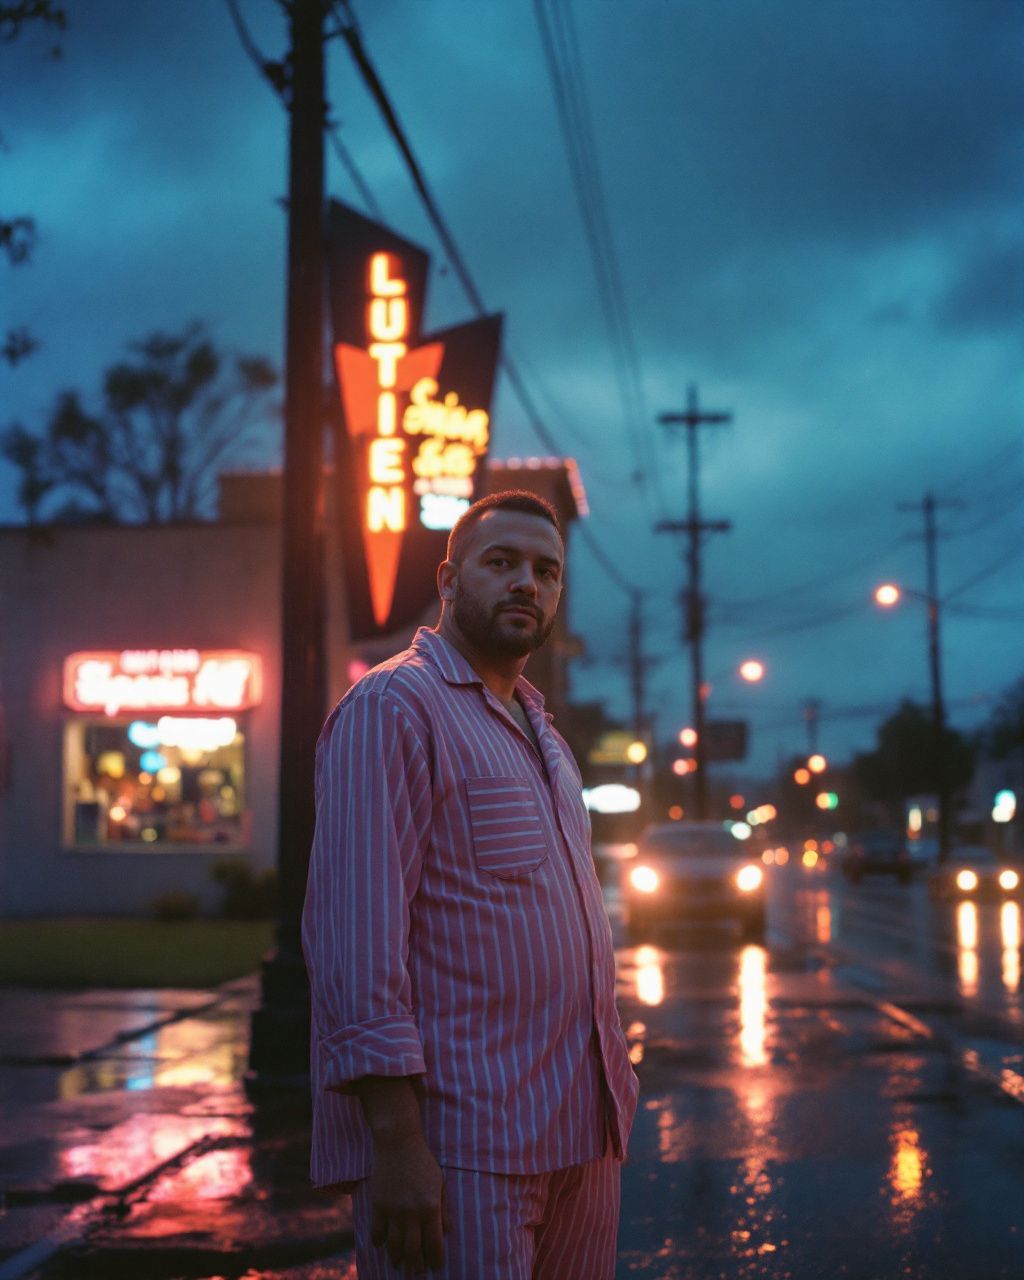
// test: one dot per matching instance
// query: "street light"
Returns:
(888, 595)
(752, 670)
(817, 763)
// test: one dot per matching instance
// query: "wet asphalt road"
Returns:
(842, 1101)
(846, 1100)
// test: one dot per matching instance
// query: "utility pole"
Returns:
(280, 1026)
(693, 418)
(928, 506)
(637, 665)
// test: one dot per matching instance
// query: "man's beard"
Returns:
(483, 628)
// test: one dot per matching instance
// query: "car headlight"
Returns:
(749, 878)
(1008, 879)
(967, 881)
(644, 879)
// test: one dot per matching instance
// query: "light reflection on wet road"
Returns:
(833, 1103)
(791, 1126)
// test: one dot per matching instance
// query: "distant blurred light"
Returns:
(143, 734)
(611, 797)
(752, 670)
(152, 761)
(768, 857)
(888, 594)
(801, 777)
(680, 767)
(636, 752)
(741, 831)
(1004, 807)
(688, 737)
(111, 763)
(781, 856)
(736, 802)
(749, 878)
(966, 880)
(199, 732)
(915, 819)
(810, 858)
(826, 800)
(676, 812)
(817, 763)
(1008, 879)
(441, 510)
(644, 879)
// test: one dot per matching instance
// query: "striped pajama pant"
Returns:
(537, 1226)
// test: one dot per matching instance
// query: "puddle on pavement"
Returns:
(191, 1053)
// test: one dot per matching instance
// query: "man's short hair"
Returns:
(530, 504)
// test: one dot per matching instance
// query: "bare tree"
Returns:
(169, 417)
(18, 232)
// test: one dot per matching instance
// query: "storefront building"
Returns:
(140, 692)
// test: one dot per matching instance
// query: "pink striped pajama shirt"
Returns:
(454, 929)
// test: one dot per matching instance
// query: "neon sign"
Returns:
(173, 680)
(423, 443)
(415, 417)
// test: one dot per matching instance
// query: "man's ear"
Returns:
(447, 576)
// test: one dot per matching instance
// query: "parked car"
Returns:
(879, 851)
(692, 872)
(973, 872)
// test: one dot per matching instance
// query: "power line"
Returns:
(276, 75)
(560, 46)
(348, 29)
(1004, 559)
(822, 580)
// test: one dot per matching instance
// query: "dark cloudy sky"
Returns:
(817, 210)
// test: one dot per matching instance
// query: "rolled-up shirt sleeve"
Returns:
(373, 804)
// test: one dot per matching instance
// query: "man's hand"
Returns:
(407, 1195)
(406, 1183)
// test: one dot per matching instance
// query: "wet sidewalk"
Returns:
(128, 1145)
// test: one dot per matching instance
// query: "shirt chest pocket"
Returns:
(509, 838)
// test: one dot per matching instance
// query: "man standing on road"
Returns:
(471, 1082)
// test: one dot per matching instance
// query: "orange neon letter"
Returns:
(382, 283)
(389, 319)
(387, 355)
(386, 460)
(385, 509)
(387, 414)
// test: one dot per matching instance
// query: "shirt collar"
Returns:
(457, 669)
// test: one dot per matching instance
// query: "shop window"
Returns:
(163, 782)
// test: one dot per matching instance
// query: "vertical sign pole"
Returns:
(280, 1027)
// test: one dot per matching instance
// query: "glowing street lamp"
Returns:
(817, 763)
(636, 752)
(888, 594)
(752, 670)
(688, 737)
